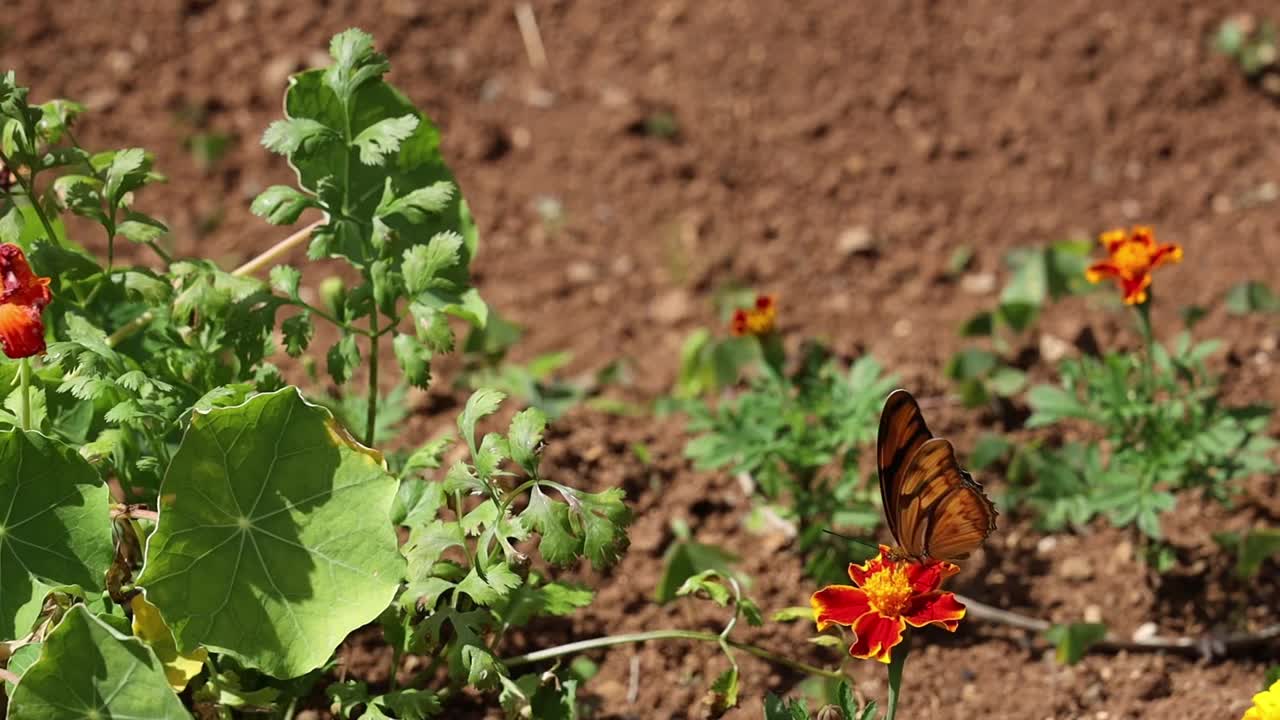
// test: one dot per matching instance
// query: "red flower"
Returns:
(1131, 259)
(23, 296)
(890, 595)
(757, 320)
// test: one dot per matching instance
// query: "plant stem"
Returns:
(1148, 341)
(626, 638)
(35, 205)
(371, 414)
(24, 384)
(897, 660)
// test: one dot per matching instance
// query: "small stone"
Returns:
(1221, 204)
(1123, 552)
(539, 97)
(614, 97)
(581, 272)
(1093, 614)
(1045, 545)
(855, 240)
(1131, 209)
(969, 692)
(671, 307)
(1268, 343)
(1146, 632)
(1153, 685)
(901, 328)
(1052, 348)
(521, 138)
(978, 283)
(1075, 567)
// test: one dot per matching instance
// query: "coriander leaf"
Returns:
(524, 438)
(286, 137)
(414, 359)
(281, 204)
(297, 331)
(383, 138)
(423, 264)
(417, 204)
(482, 402)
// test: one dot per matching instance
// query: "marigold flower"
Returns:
(756, 320)
(1266, 704)
(1131, 259)
(890, 595)
(23, 297)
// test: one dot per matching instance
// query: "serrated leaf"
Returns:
(148, 626)
(343, 359)
(482, 403)
(524, 438)
(709, 582)
(127, 172)
(414, 359)
(532, 599)
(285, 279)
(273, 541)
(498, 582)
(287, 137)
(416, 205)
(56, 528)
(281, 205)
(355, 62)
(685, 559)
(410, 704)
(423, 264)
(550, 520)
(792, 614)
(140, 228)
(429, 456)
(383, 138)
(89, 670)
(605, 517)
(298, 331)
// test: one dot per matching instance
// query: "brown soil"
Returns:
(923, 126)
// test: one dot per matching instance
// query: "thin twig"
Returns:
(531, 36)
(1207, 645)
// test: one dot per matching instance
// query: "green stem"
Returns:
(371, 414)
(293, 706)
(24, 384)
(1148, 341)
(627, 638)
(896, 662)
(35, 205)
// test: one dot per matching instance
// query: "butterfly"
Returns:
(935, 510)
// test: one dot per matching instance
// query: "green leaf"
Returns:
(414, 359)
(709, 582)
(141, 228)
(383, 138)
(418, 204)
(989, 449)
(1006, 381)
(355, 63)
(724, 691)
(1075, 639)
(89, 670)
(685, 559)
(297, 331)
(532, 600)
(524, 438)
(424, 264)
(1049, 404)
(285, 279)
(494, 586)
(56, 529)
(482, 402)
(1255, 547)
(410, 704)
(281, 205)
(981, 325)
(274, 540)
(776, 708)
(287, 137)
(343, 359)
(971, 364)
(1248, 297)
(127, 172)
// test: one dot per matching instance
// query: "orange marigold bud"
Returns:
(23, 297)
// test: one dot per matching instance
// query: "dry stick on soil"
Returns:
(529, 34)
(272, 253)
(1207, 646)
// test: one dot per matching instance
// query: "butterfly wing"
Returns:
(902, 432)
(942, 512)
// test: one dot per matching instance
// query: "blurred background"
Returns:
(869, 163)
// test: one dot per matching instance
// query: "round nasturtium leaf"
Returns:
(89, 670)
(55, 527)
(274, 539)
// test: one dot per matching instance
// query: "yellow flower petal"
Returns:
(149, 627)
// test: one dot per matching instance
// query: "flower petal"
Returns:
(838, 604)
(935, 608)
(21, 330)
(1135, 289)
(859, 573)
(1100, 271)
(926, 577)
(1113, 239)
(1170, 253)
(877, 635)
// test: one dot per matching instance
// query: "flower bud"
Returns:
(830, 712)
(333, 293)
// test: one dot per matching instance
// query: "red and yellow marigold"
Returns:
(890, 594)
(1131, 258)
(759, 319)
(23, 297)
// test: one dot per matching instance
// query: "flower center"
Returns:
(888, 590)
(1132, 259)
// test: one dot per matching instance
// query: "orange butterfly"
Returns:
(935, 510)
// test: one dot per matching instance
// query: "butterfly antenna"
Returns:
(859, 541)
